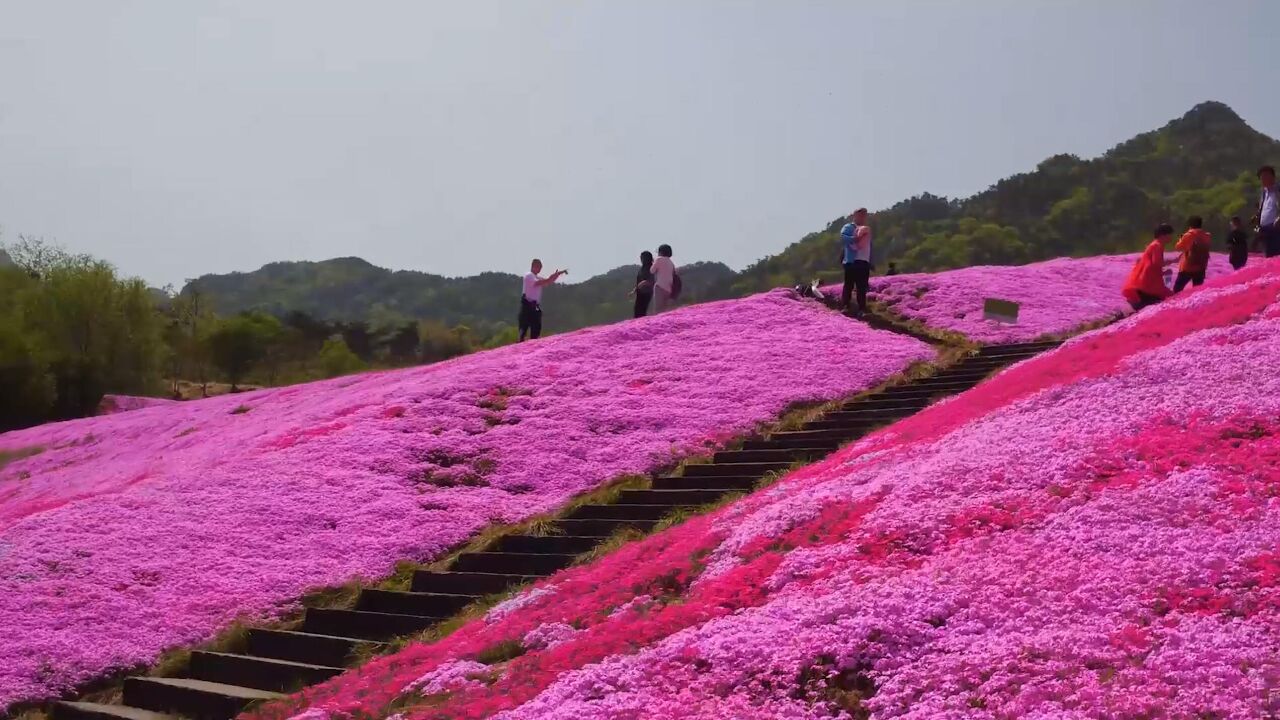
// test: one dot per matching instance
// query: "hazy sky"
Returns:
(176, 138)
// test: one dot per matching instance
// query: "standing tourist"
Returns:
(1194, 246)
(1268, 217)
(1237, 244)
(664, 280)
(1145, 284)
(644, 284)
(855, 241)
(531, 299)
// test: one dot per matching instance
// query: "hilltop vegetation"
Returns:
(351, 289)
(1202, 163)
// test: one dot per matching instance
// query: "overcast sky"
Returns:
(176, 138)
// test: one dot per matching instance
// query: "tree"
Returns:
(81, 325)
(337, 359)
(240, 342)
(439, 342)
(27, 388)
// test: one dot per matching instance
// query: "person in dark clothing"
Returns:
(1238, 244)
(893, 269)
(644, 284)
(855, 246)
(1194, 248)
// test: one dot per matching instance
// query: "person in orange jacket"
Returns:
(1145, 285)
(1194, 246)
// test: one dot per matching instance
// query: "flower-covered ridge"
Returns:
(124, 535)
(1090, 534)
(1055, 296)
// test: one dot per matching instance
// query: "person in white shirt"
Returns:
(664, 280)
(531, 299)
(1268, 218)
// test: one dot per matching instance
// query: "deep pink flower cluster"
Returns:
(128, 534)
(1056, 296)
(1093, 533)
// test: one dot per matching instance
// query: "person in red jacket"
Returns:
(1145, 285)
(1194, 246)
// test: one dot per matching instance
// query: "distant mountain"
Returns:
(1202, 163)
(353, 289)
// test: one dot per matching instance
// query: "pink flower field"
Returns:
(1057, 296)
(127, 534)
(1094, 533)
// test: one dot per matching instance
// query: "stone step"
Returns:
(675, 498)
(309, 648)
(512, 563)
(603, 526)
(413, 603)
(805, 436)
(1031, 347)
(961, 374)
(257, 672)
(1009, 352)
(864, 426)
(929, 390)
(774, 441)
(735, 469)
(871, 415)
(98, 711)
(620, 512)
(199, 699)
(465, 583)
(705, 483)
(363, 624)
(555, 544)
(883, 403)
(785, 455)
(990, 363)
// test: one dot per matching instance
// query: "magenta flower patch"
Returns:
(131, 533)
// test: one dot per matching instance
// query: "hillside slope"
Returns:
(124, 535)
(1092, 533)
(1202, 163)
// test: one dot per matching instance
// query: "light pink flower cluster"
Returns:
(1056, 296)
(128, 534)
(1093, 533)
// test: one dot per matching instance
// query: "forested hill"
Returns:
(1202, 163)
(351, 289)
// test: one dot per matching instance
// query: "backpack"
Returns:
(1198, 256)
(676, 286)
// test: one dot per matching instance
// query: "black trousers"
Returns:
(1195, 278)
(1269, 238)
(530, 319)
(857, 276)
(1145, 300)
(642, 304)
(1238, 259)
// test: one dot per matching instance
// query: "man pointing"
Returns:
(531, 299)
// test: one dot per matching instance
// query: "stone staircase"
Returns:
(220, 685)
